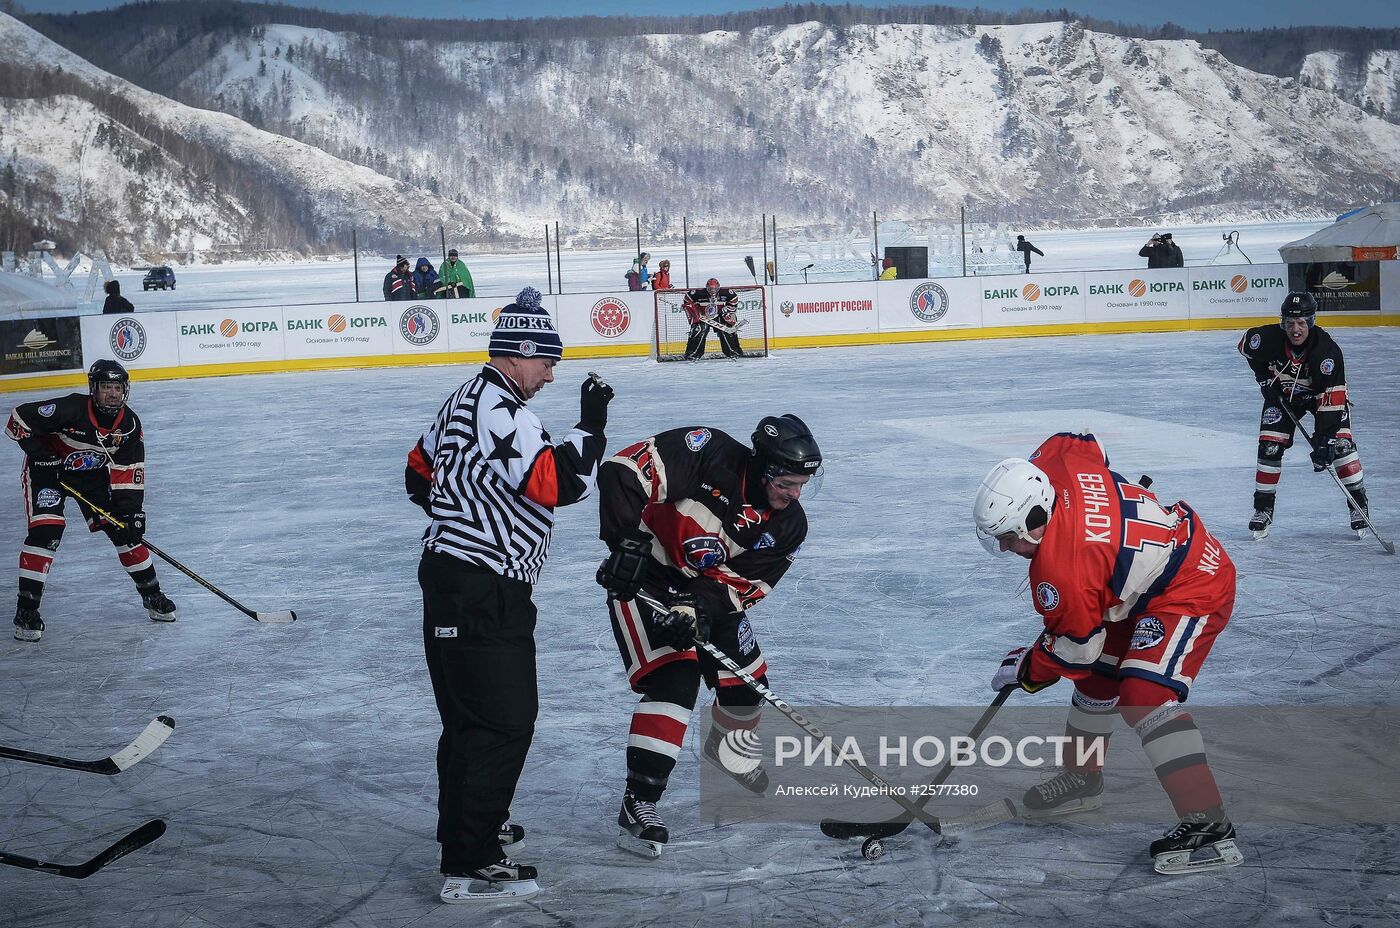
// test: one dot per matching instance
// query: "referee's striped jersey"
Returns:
(493, 478)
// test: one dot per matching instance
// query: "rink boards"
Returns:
(262, 339)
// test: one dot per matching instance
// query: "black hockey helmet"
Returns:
(1299, 305)
(784, 445)
(106, 371)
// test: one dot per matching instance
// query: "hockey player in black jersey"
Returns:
(712, 307)
(699, 521)
(92, 443)
(1298, 365)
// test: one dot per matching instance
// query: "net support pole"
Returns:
(355, 257)
(548, 261)
(685, 247)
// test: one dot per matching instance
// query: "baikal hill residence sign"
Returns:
(29, 346)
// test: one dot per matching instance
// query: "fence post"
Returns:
(962, 236)
(685, 246)
(558, 258)
(763, 234)
(639, 239)
(548, 261)
(775, 250)
(355, 251)
(875, 228)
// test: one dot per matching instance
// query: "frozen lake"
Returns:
(299, 783)
(207, 286)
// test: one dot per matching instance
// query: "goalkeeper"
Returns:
(713, 307)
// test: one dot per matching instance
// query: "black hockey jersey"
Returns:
(1311, 376)
(718, 307)
(686, 488)
(87, 441)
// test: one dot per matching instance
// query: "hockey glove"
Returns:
(1269, 390)
(622, 573)
(135, 531)
(686, 624)
(594, 397)
(1323, 454)
(1012, 672)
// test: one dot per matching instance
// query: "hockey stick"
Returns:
(834, 828)
(132, 842)
(727, 329)
(146, 743)
(797, 719)
(278, 618)
(1389, 546)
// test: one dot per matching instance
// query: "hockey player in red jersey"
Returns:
(1298, 364)
(1132, 594)
(701, 522)
(93, 443)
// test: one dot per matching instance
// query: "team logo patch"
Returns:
(1148, 634)
(1327, 366)
(445, 632)
(127, 338)
(84, 460)
(703, 552)
(47, 409)
(1273, 415)
(746, 639)
(1273, 450)
(697, 439)
(419, 325)
(1254, 341)
(928, 302)
(47, 498)
(764, 541)
(1047, 595)
(528, 349)
(610, 317)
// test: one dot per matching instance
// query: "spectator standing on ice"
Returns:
(455, 277)
(661, 280)
(1173, 255)
(1155, 251)
(115, 302)
(1025, 248)
(425, 280)
(398, 283)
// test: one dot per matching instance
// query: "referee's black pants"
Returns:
(479, 639)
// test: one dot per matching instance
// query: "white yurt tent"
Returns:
(1371, 227)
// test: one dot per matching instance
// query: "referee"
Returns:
(489, 477)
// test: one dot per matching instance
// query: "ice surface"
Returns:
(299, 781)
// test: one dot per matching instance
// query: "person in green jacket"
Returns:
(455, 278)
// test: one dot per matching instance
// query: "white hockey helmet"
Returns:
(1008, 501)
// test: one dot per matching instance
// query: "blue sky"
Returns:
(1192, 14)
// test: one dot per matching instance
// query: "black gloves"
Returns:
(127, 511)
(622, 573)
(1323, 454)
(686, 624)
(594, 397)
(1269, 391)
(419, 490)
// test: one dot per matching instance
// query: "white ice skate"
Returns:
(1196, 847)
(504, 880)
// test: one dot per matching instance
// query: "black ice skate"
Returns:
(1066, 794)
(1360, 516)
(158, 606)
(640, 829)
(1208, 833)
(505, 879)
(1259, 523)
(28, 625)
(510, 834)
(737, 753)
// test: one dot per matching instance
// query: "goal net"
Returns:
(749, 324)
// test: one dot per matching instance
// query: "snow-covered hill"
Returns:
(132, 169)
(815, 122)
(1372, 82)
(819, 124)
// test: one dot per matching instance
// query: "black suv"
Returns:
(158, 278)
